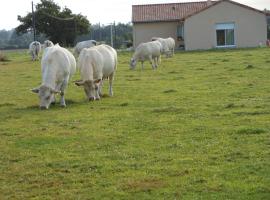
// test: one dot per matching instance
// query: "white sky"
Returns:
(103, 11)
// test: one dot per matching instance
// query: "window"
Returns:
(180, 32)
(225, 35)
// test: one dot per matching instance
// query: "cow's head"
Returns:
(90, 88)
(133, 63)
(46, 95)
(94, 42)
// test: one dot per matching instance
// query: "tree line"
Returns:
(122, 37)
(61, 26)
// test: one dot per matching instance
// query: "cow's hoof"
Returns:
(43, 108)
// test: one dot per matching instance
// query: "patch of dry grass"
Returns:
(3, 57)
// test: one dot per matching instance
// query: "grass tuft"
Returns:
(168, 110)
(124, 104)
(250, 131)
(249, 66)
(169, 91)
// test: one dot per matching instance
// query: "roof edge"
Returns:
(220, 1)
(154, 21)
(157, 4)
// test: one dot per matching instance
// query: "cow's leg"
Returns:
(152, 62)
(111, 84)
(156, 62)
(62, 92)
(159, 59)
(100, 88)
(97, 96)
(53, 101)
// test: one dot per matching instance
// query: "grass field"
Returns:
(196, 128)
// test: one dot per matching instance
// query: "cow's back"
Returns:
(109, 56)
(90, 64)
(58, 62)
(144, 50)
(72, 61)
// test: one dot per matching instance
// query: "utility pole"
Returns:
(33, 21)
(112, 34)
(114, 28)
(99, 31)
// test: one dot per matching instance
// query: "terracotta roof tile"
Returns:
(175, 11)
(165, 12)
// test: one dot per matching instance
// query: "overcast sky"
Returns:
(103, 11)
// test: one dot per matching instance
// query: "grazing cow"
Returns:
(147, 51)
(168, 45)
(57, 66)
(96, 64)
(34, 50)
(47, 43)
(84, 44)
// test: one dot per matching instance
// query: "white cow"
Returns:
(57, 66)
(168, 45)
(84, 44)
(147, 51)
(96, 64)
(47, 43)
(34, 50)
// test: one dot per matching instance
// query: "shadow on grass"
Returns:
(55, 106)
(134, 79)
(252, 113)
(169, 91)
(6, 105)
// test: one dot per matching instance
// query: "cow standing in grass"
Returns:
(83, 44)
(47, 43)
(147, 51)
(96, 64)
(168, 45)
(34, 50)
(57, 66)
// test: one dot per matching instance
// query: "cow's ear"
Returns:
(79, 82)
(35, 90)
(97, 81)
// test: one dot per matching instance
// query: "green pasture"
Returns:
(196, 128)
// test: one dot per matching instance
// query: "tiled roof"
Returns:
(175, 11)
(165, 12)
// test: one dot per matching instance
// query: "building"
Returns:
(200, 25)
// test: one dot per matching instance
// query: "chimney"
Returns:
(208, 2)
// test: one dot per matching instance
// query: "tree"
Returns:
(122, 34)
(60, 26)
